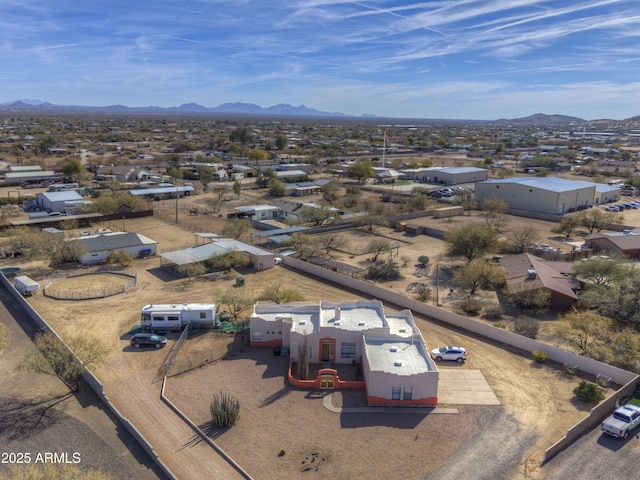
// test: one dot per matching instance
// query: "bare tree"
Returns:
(523, 237)
(493, 213)
(67, 362)
(332, 241)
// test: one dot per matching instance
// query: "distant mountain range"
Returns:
(34, 106)
(249, 109)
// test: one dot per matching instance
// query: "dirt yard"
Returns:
(537, 406)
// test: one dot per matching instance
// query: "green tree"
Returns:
(281, 142)
(377, 247)
(580, 330)
(361, 170)
(531, 299)
(104, 205)
(278, 293)
(120, 257)
(469, 242)
(602, 271)
(240, 134)
(567, 226)
(315, 215)
(52, 357)
(258, 155)
(479, 273)
(276, 187)
(45, 144)
(205, 176)
(228, 261)
(596, 219)
(74, 169)
(237, 188)
(236, 228)
(191, 270)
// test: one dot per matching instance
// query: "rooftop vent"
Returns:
(337, 313)
(361, 324)
(531, 274)
(394, 349)
(403, 330)
(397, 363)
(302, 322)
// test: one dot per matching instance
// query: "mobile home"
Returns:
(175, 317)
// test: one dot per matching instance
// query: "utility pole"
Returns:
(177, 195)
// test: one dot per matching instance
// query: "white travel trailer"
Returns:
(25, 285)
(163, 318)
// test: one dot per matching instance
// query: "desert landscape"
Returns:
(536, 402)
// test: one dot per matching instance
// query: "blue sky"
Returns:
(462, 59)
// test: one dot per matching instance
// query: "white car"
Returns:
(458, 354)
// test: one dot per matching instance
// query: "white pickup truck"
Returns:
(622, 421)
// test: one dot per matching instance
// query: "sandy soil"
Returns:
(536, 402)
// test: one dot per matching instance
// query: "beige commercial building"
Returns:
(540, 194)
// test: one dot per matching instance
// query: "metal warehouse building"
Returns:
(447, 176)
(555, 196)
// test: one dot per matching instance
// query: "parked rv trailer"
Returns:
(25, 285)
(175, 317)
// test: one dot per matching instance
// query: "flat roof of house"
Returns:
(397, 357)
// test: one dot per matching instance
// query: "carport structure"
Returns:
(259, 258)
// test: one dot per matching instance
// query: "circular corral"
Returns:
(90, 285)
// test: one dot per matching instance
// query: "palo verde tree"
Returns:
(190, 270)
(278, 293)
(469, 241)
(479, 273)
(315, 215)
(53, 357)
(597, 220)
(236, 228)
(567, 226)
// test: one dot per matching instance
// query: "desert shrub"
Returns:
(588, 392)
(540, 356)
(471, 306)
(225, 409)
(423, 259)
(527, 327)
(493, 312)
